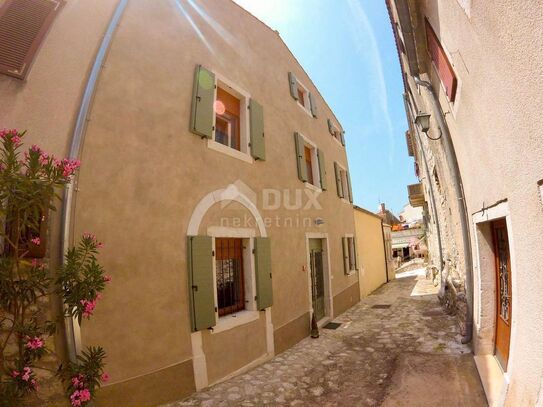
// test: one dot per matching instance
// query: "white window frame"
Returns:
(314, 164)
(344, 183)
(352, 264)
(244, 153)
(250, 313)
(306, 103)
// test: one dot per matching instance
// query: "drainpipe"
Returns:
(450, 155)
(384, 249)
(72, 328)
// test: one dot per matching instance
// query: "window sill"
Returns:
(337, 141)
(312, 187)
(351, 273)
(305, 109)
(221, 148)
(234, 320)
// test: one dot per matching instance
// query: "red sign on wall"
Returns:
(441, 62)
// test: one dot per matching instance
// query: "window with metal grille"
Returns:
(229, 275)
(23, 26)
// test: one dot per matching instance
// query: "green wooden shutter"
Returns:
(345, 245)
(258, 150)
(201, 290)
(348, 178)
(342, 134)
(355, 254)
(322, 169)
(300, 160)
(313, 104)
(339, 186)
(264, 289)
(203, 97)
(293, 83)
(330, 127)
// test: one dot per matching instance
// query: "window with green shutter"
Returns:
(302, 95)
(335, 132)
(203, 98)
(258, 150)
(263, 272)
(201, 286)
(313, 104)
(322, 169)
(300, 158)
(309, 162)
(339, 183)
(343, 182)
(350, 256)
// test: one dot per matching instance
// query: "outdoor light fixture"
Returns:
(319, 221)
(423, 120)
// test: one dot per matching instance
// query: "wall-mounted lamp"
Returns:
(423, 120)
(319, 221)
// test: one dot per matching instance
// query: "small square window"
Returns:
(303, 97)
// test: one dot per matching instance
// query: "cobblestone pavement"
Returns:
(365, 362)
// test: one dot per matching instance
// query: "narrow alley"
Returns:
(394, 348)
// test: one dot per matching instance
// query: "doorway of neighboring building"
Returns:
(316, 259)
(503, 291)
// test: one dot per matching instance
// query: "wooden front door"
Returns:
(317, 277)
(503, 292)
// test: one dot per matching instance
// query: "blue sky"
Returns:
(347, 48)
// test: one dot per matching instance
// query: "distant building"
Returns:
(411, 214)
(373, 249)
(388, 217)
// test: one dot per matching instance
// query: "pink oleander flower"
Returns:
(99, 245)
(26, 373)
(35, 148)
(34, 343)
(80, 396)
(88, 235)
(15, 373)
(10, 132)
(34, 384)
(104, 377)
(16, 140)
(44, 158)
(88, 307)
(107, 279)
(98, 296)
(36, 241)
(68, 166)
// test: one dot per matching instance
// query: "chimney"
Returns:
(382, 205)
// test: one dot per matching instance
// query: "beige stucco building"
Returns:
(472, 91)
(210, 163)
(374, 250)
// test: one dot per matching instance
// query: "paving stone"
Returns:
(350, 366)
